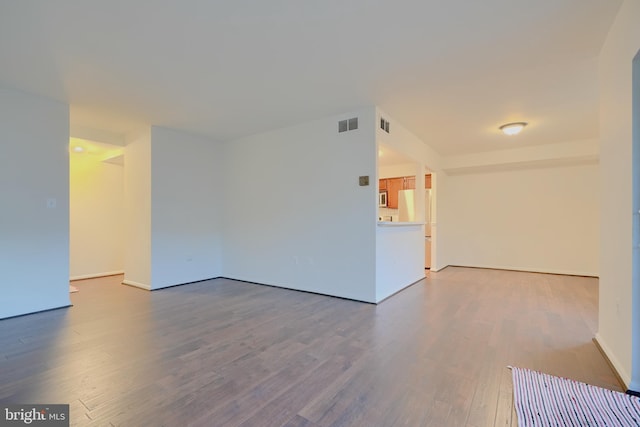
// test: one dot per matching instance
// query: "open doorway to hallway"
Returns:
(96, 196)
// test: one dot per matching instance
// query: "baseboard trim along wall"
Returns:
(622, 376)
(95, 275)
(185, 283)
(36, 312)
(296, 290)
(530, 270)
(136, 285)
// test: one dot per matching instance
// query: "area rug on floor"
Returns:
(545, 400)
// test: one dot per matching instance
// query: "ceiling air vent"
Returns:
(347, 125)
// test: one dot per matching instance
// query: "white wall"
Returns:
(399, 258)
(96, 216)
(137, 211)
(186, 209)
(543, 219)
(438, 254)
(405, 143)
(295, 215)
(395, 171)
(615, 332)
(34, 238)
(461, 171)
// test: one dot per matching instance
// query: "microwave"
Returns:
(382, 199)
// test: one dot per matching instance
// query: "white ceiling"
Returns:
(449, 70)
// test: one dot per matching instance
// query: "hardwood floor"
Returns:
(225, 353)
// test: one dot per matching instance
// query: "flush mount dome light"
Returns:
(512, 128)
(78, 149)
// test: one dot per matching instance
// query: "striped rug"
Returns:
(545, 400)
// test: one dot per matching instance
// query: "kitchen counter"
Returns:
(398, 224)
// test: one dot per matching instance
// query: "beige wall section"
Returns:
(34, 219)
(615, 309)
(543, 219)
(96, 202)
(137, 211)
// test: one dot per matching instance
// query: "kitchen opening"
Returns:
(404, 193)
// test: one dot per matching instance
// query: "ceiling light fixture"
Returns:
(78, 149)
(512, 128)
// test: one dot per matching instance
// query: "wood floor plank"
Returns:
(230, 353)
(504, 408)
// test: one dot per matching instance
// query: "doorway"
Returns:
(96, 197)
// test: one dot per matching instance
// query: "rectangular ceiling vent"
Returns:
(384, 125)
(347, 125)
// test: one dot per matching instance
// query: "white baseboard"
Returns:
(531, 270)
(93, 276)
(622, 373)
(136, 284)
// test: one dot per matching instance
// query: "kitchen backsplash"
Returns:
(386, 214)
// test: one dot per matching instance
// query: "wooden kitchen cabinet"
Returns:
(382, 184)
(409, 183)
(393, 186)
(427, 181)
